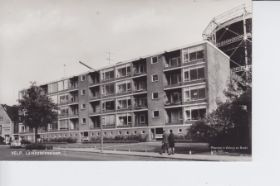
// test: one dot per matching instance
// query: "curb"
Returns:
(193, 157)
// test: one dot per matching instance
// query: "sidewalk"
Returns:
(193, 157)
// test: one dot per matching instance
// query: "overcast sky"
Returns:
(38, 37)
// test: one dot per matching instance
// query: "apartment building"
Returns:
(168, 90)
(6, 125)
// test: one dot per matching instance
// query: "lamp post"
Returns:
(101, 140)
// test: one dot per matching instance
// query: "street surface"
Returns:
(6, 153)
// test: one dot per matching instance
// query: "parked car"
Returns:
(15, 144)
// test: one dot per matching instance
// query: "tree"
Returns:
(38, 109)
(230, 124)
(202, 132)
(232, 120)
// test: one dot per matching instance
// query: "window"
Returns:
(108, 106)
(108, 75)
(142, 119)
(83, 92)
(196, 74)
(124, 120)
(108, 89)
(60, 85)
(83, 106)
(156, 114)
(188, 114)
(84, 120)
(83, 78)
(154, 60)
(154, 78)
(123, 87)
(187, 75)
(196, 55)
(124, 104)
(155, 95)
(198, 114)
(198, 94)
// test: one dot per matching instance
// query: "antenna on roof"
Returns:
(89, 67)
(109, 57)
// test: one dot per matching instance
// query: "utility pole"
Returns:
(245, 45)
(64, 66)
(109, 57)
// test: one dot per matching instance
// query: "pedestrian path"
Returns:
(193, 157)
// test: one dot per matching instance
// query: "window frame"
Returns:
(152, 59)
(153, 95)
(153, 78)
(154, 114)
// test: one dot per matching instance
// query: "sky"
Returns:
(43, 41)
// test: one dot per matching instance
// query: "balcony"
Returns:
(73, 115)
(73, 86)
(180, 122)
(94, 97)
(124, 108)
(173, 63)
(95, 112)
(109, 126)
(123, 92)
(173, 84)
(141, 124)
(108, 110)
(140, 106)
(171, 103)
(125, 126)
(61, 116)
(137, 72)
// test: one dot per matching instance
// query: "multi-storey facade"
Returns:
(168, 90)
(6, 125)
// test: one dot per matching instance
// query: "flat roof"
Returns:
(136, 59)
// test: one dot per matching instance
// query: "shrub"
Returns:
(1, 140)
(121, 139)
(38, 146)
(202, 132)
(24, 141)
(62, 140)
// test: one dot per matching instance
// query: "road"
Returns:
(20, 154)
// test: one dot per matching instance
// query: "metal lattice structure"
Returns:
(231, 32)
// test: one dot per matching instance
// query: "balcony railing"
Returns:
(73, 86)
(140, 106)
(173, 84)
(140, 90)
(93, 97)
(69, 101)
(120, 76)
(180, 122)
(71, 115)
(108, 126)
(63, 116)
(108, 110)
(95, 112)
(125, 126)
(124, 108)
(170, 103)
(141, 124)
(138, 72)
(123, 92)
